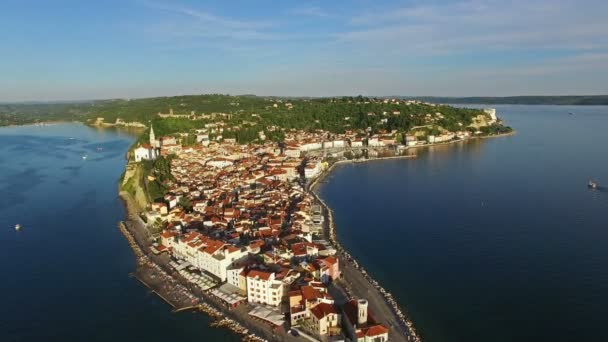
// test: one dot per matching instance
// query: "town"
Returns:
(240, 222)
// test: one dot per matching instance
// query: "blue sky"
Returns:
(76, 49)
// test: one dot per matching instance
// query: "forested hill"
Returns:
(582, 100)
(331, 114)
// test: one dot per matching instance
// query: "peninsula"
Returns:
(223, 216)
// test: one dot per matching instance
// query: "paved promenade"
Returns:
(355, 284)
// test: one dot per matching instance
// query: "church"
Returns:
(147, 151)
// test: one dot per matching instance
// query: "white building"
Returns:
(202, 137)
(235, 278)
(325, 319)
(171, 200)
(356, 143)
(263, 288)
(312, 169)
(145, 152)
(339, 143)
(311, 146)
(441, 138)
(212, 256)
(374, 141)
(291, 152)
(216, 257)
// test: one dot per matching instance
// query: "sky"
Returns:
(85, 49)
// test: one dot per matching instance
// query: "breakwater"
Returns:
(404, 321)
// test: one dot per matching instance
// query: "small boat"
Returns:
(592, 185)
(17, 227)
(570, 113)
(84, 157)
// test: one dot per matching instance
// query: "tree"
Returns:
(185, 203)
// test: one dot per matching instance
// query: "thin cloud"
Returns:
(484, 25)
(202, 24)
(311, 11)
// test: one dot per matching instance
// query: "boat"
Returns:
(17, 227)
(84, 157)
(592, 185)
(570, 113)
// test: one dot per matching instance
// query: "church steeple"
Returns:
(152, 137)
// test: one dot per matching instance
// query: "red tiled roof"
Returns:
(323, 310)
(261, 274)
(375, 330)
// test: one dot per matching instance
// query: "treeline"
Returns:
(273, 117)
(28, 113)
(246, 116)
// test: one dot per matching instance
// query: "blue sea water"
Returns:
(490, 240)
(65, 275)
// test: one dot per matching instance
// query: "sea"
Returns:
(488, 240)
(497, 239)
(66, 274)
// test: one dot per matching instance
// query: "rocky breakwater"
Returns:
(330, 229)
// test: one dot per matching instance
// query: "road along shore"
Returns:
(357, 282)
(155, 273)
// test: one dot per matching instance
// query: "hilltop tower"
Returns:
(362, 312)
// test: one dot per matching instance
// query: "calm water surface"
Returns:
(493, 240)
(65, 276)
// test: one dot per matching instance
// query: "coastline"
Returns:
(155, 274)
(41, 123)
(513, 132)
(355, 280)
(358, 272)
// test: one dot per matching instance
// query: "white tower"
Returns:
(152, 137)
(362, 312)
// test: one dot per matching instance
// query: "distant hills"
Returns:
(578, 100)
(146, 109)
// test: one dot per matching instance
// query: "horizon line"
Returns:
(24, 102)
